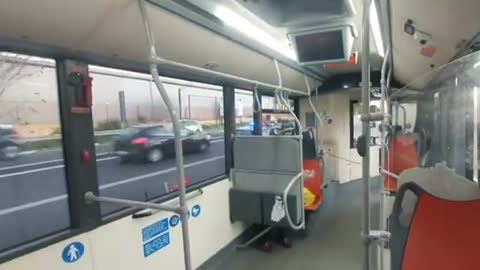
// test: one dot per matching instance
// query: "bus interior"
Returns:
(239, 134)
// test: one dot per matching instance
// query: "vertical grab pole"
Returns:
(176, 130)
(310, 99)
(284, 101)
(475, 135)
(318, 121)
(383, 87)
(366, 130)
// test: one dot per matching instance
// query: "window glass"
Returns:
(244, 112)
(142, 166)
(278, 124)
(158, 131)
(33, 191)
(375, 127)
(270, 103)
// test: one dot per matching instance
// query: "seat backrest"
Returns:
(440, 181)
(443, 234)
(402, 156)
(309, 145)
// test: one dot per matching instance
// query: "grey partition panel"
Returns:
(267, 186)
(246, 206)
(273, 153)
(256, 181)
(295, 208)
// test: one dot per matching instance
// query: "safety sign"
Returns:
(156, 244)
(155, 229)
(73, 252)
(196, 210)
(174, 220)
(155, 237)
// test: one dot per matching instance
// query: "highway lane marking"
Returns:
(125, 181)
(148, 175)
(46, 169)
(58, 160)
(32, 204)
(41, 162)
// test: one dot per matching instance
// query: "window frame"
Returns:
(95, 219)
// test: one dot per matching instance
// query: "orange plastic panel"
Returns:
(443, 235)
(314, 183)
(402, 156)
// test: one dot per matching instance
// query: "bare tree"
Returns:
(14, 68)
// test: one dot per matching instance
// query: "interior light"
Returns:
(376, 31)
(244, 26)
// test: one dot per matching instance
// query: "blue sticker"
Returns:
(73, 252)
(174, 220)
(156, 244)
(196, 210)
(155, 229)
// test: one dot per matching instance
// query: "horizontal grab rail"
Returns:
(174, 202)
(91, 197)
(270, 137)
(208, 72)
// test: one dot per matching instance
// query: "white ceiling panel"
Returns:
(449, 22)
(113, 28)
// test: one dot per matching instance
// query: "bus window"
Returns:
(135, 140)
(356, 123)
(33, 191)
(276, 118)
(244, 112)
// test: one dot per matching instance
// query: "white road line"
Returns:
(30, 164)
(140, 177)
(128, 180)
(41, 162)
(45, 169)
(25, 153)
(217, 141)
(31, 205)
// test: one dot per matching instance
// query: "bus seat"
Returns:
(309, 145)
(439, 181)
(263, 167)
(402, 156)
(313, 164)
(443, 234)
(314, 183)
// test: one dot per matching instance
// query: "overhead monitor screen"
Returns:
(320, 46)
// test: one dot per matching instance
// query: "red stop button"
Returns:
(86, 156)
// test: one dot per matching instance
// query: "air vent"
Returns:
(299, 13)
(471, 47)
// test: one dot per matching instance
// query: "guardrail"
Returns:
(96, 134)
(58, 137)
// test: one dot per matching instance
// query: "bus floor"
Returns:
(333, 237)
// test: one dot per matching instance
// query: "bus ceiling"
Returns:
(242, 37)
(110, 33)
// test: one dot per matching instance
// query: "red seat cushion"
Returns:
(443, 235)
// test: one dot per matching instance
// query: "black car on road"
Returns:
(9, 148)
(153, 144)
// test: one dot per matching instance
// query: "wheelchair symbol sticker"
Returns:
(174, 220)
(196, 210)
(73, 252)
